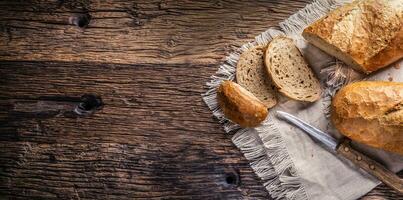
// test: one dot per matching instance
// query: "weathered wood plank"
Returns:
(153, 138)
(383, 192)
(134, 32)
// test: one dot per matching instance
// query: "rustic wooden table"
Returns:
(101, 99)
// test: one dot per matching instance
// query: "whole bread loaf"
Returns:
(239, 105)
(365, 34)
(371, 112)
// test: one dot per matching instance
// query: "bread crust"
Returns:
(368, 31)
(239, 105)
(371, 112)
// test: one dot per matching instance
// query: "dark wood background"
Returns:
(152, 137)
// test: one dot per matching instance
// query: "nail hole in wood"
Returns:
(90, 102)
(52, 158)
(88, 105)
(232, 179)
(80, 20)
(60, 3)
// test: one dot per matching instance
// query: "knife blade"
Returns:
(343, 148)
(317, 134)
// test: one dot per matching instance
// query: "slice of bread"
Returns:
(290, 72)
(251, 74)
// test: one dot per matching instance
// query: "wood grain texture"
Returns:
(383, 192)
(153, 138)
(134, 32)
(148, 60)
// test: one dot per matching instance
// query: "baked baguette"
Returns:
(365, 34)
(239, 105)
(371, 112)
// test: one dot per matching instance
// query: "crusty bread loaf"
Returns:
(290, 72)
(251, 74)
(371, 113)
(239, 105)
(365, 34)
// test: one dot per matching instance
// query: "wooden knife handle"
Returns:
(370, 166)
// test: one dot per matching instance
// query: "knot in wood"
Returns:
(88, 105)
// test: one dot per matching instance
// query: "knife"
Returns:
(343, 148)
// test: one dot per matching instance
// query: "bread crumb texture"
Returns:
(251, 74)
(290, 72)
